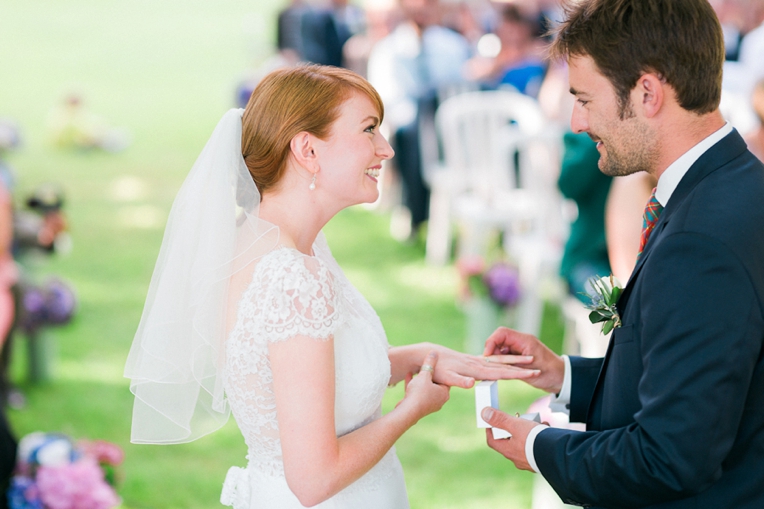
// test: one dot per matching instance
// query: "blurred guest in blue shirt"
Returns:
(519, 63)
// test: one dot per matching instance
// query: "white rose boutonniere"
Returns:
(604, 295)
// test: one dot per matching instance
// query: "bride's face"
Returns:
(351, 157)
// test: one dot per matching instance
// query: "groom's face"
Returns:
(624, 140)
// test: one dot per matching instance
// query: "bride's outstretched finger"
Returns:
(492, 368)
(508, 359)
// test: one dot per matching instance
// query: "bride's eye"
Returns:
(371, 128)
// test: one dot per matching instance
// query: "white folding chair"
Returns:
(472, 128)
(501, 169)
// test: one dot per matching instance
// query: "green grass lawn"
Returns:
(166, 71)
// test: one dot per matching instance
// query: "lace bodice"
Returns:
(293, 294)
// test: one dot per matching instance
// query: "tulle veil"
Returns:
(176, 362)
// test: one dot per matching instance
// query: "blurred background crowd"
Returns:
(421, 53)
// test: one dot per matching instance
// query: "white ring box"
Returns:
(487, 394)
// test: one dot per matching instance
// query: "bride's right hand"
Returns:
(422, 394)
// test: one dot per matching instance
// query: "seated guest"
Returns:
(73, 126)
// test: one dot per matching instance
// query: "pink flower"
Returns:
(103, 452)
(78, 485)
(470, 265)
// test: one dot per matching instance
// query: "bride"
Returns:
(249, 312)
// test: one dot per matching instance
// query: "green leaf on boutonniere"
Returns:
(604, 299)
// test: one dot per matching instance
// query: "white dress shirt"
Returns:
(666, 185)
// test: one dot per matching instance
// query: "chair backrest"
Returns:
(474, 129)
(508, 153)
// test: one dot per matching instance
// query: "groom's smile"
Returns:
(624, 140)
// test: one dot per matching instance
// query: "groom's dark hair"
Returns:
(679, 40)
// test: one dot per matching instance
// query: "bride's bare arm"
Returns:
(457, 369)
(318, 464)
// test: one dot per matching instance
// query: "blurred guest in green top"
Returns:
(581, 181)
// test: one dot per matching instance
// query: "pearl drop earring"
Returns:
(312, 185)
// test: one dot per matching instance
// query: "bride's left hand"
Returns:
(458, 369)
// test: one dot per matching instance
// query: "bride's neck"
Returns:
(298, 218)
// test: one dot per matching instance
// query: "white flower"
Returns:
(29, 444)
(55, 452)
(610, 282)
(45, 449)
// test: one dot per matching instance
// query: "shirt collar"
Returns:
(674, 173)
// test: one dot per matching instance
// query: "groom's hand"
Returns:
(506, 342)
(511, 448)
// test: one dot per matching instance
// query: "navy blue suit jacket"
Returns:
(675, 410)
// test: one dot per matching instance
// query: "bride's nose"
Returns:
(383, 148)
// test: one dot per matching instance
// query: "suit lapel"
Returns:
(727, 149)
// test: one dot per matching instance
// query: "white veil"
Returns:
(176, 363)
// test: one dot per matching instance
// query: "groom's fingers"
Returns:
(503, 367)
(506, 341)
(498, 342)
(514, 448)
(497, 367)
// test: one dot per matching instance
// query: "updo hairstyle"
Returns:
(287, 102)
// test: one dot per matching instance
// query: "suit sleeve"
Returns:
(583, 380)
(700, 336)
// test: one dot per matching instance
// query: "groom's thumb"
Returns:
(493, 417)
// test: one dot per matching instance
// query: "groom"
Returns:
(675, 411)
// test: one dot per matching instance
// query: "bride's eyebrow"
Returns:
(372, 118)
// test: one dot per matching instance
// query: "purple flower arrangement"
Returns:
(53, 472)
(52, 303)
(500, 281)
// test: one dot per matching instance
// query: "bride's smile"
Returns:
(350, 158)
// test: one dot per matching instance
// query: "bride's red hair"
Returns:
(290, 101)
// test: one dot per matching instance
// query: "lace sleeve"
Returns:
(297, 296)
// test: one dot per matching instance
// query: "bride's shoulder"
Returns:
(292, 291)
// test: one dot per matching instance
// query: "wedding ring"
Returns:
(517, 414)
(427, 368)
(488, 359)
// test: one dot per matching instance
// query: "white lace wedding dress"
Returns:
(292, 294)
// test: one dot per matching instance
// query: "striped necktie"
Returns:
(649, 219)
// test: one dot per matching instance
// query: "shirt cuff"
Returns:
(529, 446)
(561, 401)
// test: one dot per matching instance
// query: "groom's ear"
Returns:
(649, 94)
(303, 149)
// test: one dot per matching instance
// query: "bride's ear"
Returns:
(303, 150)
